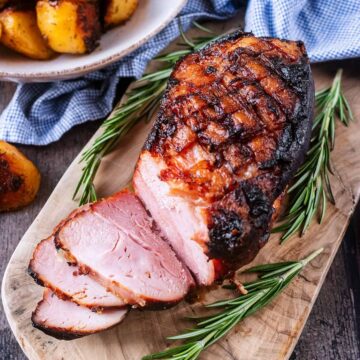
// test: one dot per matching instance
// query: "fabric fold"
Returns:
(40, 113)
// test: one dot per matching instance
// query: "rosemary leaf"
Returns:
(312, 189)
(141, 104)
(272, 280)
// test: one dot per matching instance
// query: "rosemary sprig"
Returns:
(311, 189)
(273, 279)
(141, 103)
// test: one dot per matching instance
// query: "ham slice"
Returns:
(49, 268)
(65, 320)
(121, 247)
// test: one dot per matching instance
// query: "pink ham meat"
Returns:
(182, 221)
(119, 244)
(65, 320)
(49, 268)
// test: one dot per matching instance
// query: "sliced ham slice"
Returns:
(118, 242)
(49, 268)
(65, 320)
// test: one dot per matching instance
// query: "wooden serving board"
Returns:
(269, 334)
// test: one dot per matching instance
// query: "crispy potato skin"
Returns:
(118, 11)
(19, 178)
(20, 33)
(69, 26)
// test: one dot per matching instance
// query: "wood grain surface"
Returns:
(333, 329)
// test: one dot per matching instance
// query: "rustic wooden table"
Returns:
(333, 329)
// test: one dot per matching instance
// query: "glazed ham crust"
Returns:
(232, 129)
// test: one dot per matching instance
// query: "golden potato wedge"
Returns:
(19, 178)
(20, 33)
(69, 26)
(118, 11)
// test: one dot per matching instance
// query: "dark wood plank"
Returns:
(333, 329)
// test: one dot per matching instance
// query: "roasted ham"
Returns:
(65, 320)
(49, 268)
(232, 129)
(120, 246)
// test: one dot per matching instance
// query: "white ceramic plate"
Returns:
(149, 19)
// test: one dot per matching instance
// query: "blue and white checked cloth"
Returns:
(41, 113)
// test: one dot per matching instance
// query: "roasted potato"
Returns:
(118, 11)
(19, 178)
(69, 26)
(20, 33)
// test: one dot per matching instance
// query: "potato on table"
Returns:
(69, 26)
(19, 178)
(118, 11)
(20, 33)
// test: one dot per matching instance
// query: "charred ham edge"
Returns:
(233, 128)
(49, 268)
(66, 320)
(121, 247)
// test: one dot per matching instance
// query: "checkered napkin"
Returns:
(41, 113)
